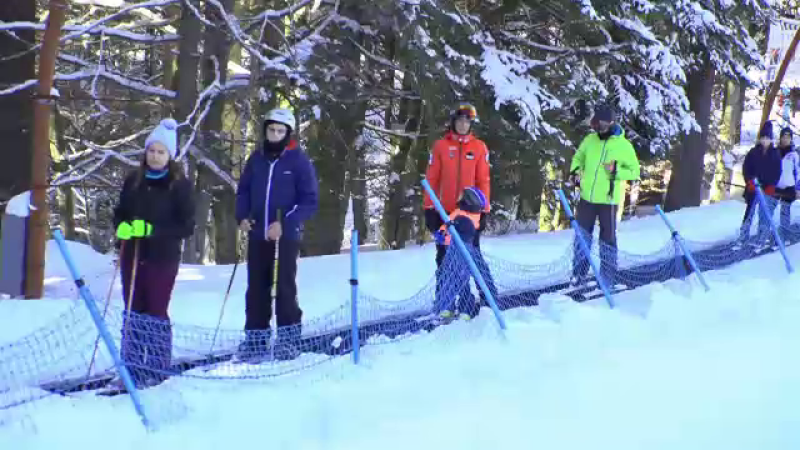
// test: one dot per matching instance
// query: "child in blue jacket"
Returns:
(453, 294)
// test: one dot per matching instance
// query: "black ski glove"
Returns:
(484, 221)
(432, 220)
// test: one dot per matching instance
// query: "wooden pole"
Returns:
(38, 222)
(776, 85)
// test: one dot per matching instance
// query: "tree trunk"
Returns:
(67, 206)
(190, 29)
(731, 132)
(531, 184)
(331, 140)
(218, 46)
(398, 211)
(357, 173)
(688, 165)
(775, 87)
(548, 212)
(323, 233)
(274, 37)
(16, 111)
(422, 151)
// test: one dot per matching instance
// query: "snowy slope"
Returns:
(699, 371)
(672, 367)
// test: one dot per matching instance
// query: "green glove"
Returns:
(141, 229)
(124, 231)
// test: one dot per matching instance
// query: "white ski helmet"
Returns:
(280, 115)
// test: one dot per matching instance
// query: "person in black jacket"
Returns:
(154, 214)
(763, 162)
(277, 193)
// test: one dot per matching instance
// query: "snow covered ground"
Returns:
(672, 367)
(323, 281)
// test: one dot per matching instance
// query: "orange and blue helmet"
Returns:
(465, 109)
(472, 200)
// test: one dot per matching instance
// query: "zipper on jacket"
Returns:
(602, 160)
(266, 200)
(458, 171)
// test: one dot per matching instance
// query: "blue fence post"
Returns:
(88, 298)
(679, 261)
(354, 295)
(463, 249)
(763, 203)
(585, 247)
(679, 241)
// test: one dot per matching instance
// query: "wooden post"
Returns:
(38, 221)
(776, 85)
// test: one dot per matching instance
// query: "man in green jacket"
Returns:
(604, 160)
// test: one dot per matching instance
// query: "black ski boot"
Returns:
(256, 345)
(287, 346)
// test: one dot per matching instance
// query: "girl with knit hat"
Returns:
(154, 215)
(763, 162)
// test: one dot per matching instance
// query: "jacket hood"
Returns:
(617, 131)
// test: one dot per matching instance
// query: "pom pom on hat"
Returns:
(165, 133)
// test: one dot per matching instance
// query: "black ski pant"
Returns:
(258, 298)
(787, 196)
(752, 208)
(483, 268)
(588, 213)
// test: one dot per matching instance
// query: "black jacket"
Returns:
(766, 166)
(166, 204)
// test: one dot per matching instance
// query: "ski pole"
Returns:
(131, 291)
(275, 275)
(108, 301)
(224, 302)
(733, 184)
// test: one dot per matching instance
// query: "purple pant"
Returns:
(153, 289)
(146, 346)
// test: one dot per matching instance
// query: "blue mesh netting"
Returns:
(54, 360)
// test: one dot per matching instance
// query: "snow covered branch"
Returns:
(224, 176)
(81, 30)
(607, 49)
(97, 30)
(272, 14)
(93, 163)
(385, 131)
(102, 72)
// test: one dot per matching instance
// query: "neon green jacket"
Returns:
(590, 160)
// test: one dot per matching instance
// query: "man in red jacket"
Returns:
(459, 161)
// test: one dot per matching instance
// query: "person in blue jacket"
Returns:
(763, 162)
(277, 193)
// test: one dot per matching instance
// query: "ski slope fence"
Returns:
(69, 357)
